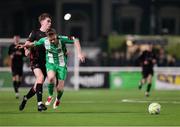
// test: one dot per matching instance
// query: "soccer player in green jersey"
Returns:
(56, 59)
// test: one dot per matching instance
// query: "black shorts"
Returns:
(40, 66)
(147, 72)
(16, 70)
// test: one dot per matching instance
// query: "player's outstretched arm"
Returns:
(28, 44)
(78, 46)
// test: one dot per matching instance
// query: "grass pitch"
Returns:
(93, 108)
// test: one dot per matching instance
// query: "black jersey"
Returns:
(147, 56)
(37, 53)
(18, 54)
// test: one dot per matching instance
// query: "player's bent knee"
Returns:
(60, 86)
(51, 80)
(149, 80)
(40, 79)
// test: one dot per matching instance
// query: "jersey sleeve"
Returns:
(40, 42)
(66, 39)
(32, 36)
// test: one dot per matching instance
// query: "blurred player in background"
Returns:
(16, 56)
(56, 59)
(147, 60)
(37, 62)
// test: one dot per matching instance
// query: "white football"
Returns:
(67, 16)
(154, 108)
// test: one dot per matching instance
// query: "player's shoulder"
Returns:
(36, 31)
(43, 39)
(65, 37)
(61, 36)
(33, 31)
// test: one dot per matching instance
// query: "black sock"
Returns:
(15, 86)
(31, 93)
(18, 84)
(148, 87)
(39, 92)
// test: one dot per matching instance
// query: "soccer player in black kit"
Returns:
(37, 62)
(147, 59)
(16, 56)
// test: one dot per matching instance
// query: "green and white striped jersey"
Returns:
(56, 53)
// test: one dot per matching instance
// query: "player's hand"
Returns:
(81, 57)
(19, 46)
(146, 62)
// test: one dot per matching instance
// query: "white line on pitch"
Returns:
(144, 101)
(111, 102)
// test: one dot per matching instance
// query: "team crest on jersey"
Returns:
(59, 49)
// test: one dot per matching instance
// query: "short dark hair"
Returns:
(44, 16)
(50, 32)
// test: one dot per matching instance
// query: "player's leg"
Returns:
(14, 79)
(51, 91)
(39, 86)
(141, 83)
(19, 77)
(149, 84)
(143, 80)
(16, 85)
(51, 82)
(26, 97)
(51, 88)
(17, 73)
(60, 91)
(61, 75)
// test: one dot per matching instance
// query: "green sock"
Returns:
(59, 94)
(50, 89)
